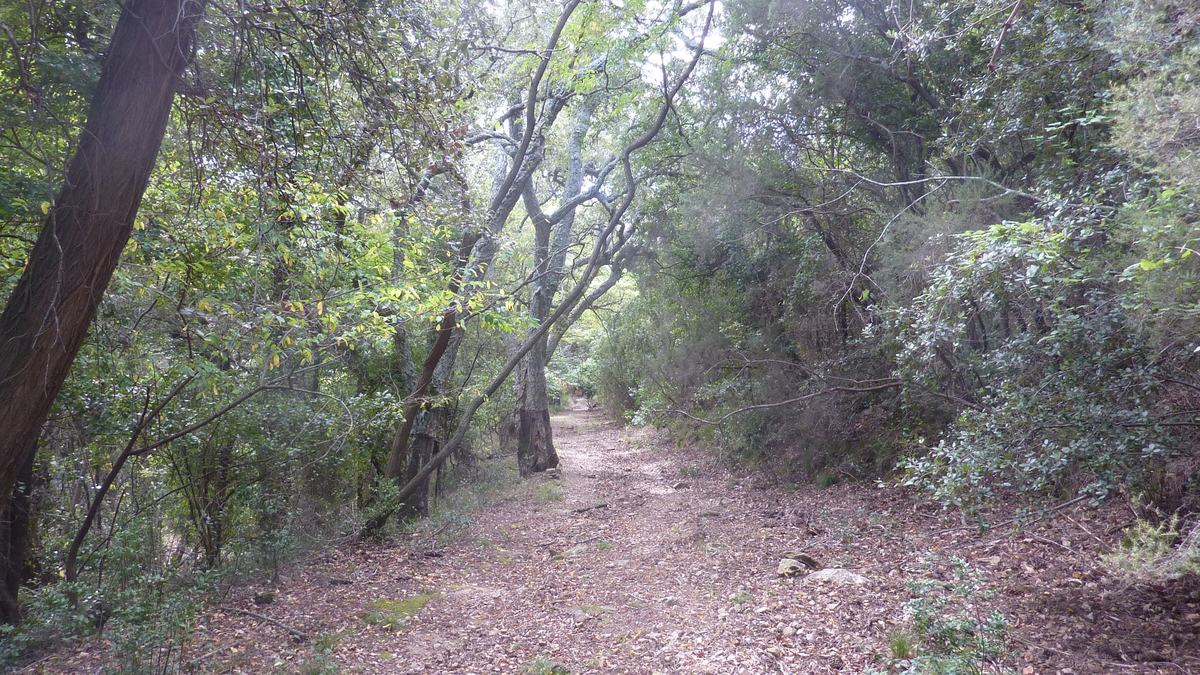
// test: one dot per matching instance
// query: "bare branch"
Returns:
(595, 262)
(777, 404)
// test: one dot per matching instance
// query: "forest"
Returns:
(550, 336)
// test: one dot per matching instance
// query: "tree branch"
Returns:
(778, 404)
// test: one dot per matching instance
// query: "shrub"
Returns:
(946, 633)
(1156, 551)
(1054, 385)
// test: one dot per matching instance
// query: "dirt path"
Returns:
(647, 558)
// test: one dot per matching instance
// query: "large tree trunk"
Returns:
(427, 425)
(14, 540)
(423, 447)
(535, 439)
(48, 314)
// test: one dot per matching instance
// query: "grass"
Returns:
(826, 479)
(948, 632)
(902, 645)
(318, 664)
(1156, 551)
(327, 642)
(742, 598)
(393, 614)
(321, 662)
(548, 493)
(544, 666)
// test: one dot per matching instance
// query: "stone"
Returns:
(789, 567)
(803, 558)
(575, 551)
(837, 576)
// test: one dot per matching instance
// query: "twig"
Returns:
(582, 509)
(1081, 526)
(1039, 646)
(1002, 523)
(196, 661)
(1008, 23)
(1045, 540)
(298, 634)
(435, 533)
(776, 404)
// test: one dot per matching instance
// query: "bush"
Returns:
(947, 634)
(1156, 551)
(1056, 387)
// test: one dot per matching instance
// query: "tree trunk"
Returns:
(428, 425)
(14, 540)
(423, 447)
(535, 439)
(49, 311)
(476, 253)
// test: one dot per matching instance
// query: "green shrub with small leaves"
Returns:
(1025, 331)
(947, 632)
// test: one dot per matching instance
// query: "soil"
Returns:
(643, 557)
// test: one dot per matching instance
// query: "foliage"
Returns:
(544, 666)
(1021, 309)
(947, 633)
(1156, 551)
(322, 198)
(955, 238)
(958, 239)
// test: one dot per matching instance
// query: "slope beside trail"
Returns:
(644, 557)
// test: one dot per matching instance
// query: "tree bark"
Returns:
(424, 441)
(476, 255)
(535, 437)
(14, 540)
(69, 268)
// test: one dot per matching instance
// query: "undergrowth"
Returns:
(1156, 551)
(948, 632)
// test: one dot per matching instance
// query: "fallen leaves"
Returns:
(664, 577)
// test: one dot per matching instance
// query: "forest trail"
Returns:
(645, 557)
